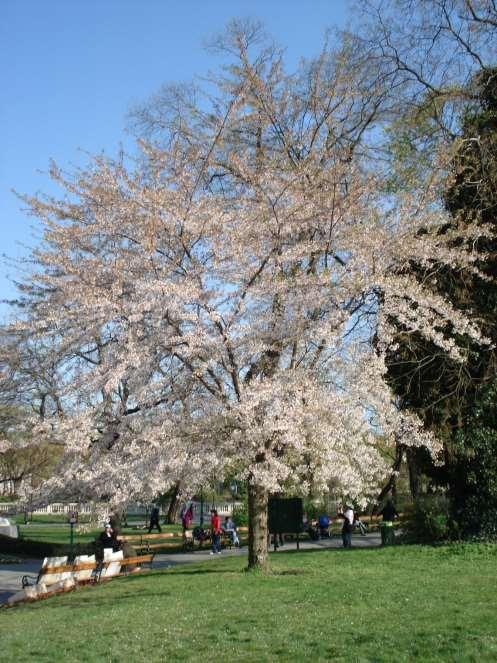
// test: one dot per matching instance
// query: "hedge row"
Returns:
(38, 549)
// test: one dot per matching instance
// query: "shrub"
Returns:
(240, 515)
(39, 549)
(428, 520)
(478, 519)
(314, 508)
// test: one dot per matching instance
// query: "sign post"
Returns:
(234, 492)
(285, 517)
(72, 519)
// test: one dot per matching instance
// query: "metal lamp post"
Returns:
(73, 519)
(234, 492)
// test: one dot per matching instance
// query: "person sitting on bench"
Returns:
(107, 539)
(313, 530)
(229, 528)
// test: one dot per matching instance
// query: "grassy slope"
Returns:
(394, 604)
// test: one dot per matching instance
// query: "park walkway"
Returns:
(11, 574)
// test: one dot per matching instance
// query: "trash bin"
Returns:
(387, 533)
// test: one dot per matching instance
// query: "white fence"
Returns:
(223, 508)
(57, 507)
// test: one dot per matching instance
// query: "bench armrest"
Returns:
(28, 580)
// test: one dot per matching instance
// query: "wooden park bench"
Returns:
(56, 569)
(115, 565)
(146, 542)
(226, 539)
(53, 570)
(56, 576)
(242, 531)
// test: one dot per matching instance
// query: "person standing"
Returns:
(154, 519)
(389, 513)
(215, 532)
(186, 517)
(348, 525)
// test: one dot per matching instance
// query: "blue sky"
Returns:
(71, 69)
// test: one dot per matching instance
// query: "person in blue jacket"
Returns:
(324, 526)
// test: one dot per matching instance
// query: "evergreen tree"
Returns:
(476, 463)
(424, 377)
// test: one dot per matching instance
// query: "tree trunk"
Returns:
(258, 532)
(390, 485)
(172, 512)
(413, 473)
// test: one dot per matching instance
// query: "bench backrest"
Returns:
(140, 538)
(139, 559)
(114, 567)
(50, 571)
(83, 567)
(57, 571)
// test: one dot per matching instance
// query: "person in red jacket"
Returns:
(215, 532)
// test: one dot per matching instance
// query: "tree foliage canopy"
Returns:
(226, 300)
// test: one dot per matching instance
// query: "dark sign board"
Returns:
(285, 515)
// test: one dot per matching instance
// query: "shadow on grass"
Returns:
(89, 600)
(194, 572)
(329, 549)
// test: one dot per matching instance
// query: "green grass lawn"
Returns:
(59, 533)
(408, 603)
(55, 533)
(50, 518)
(61, 518)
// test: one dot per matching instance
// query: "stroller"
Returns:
(200, 535)
(363, 528)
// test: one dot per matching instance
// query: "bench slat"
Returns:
(67, 568)
(130, 537)
(166, 544)
(142, 537)
(139, 559)
(87, 566)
